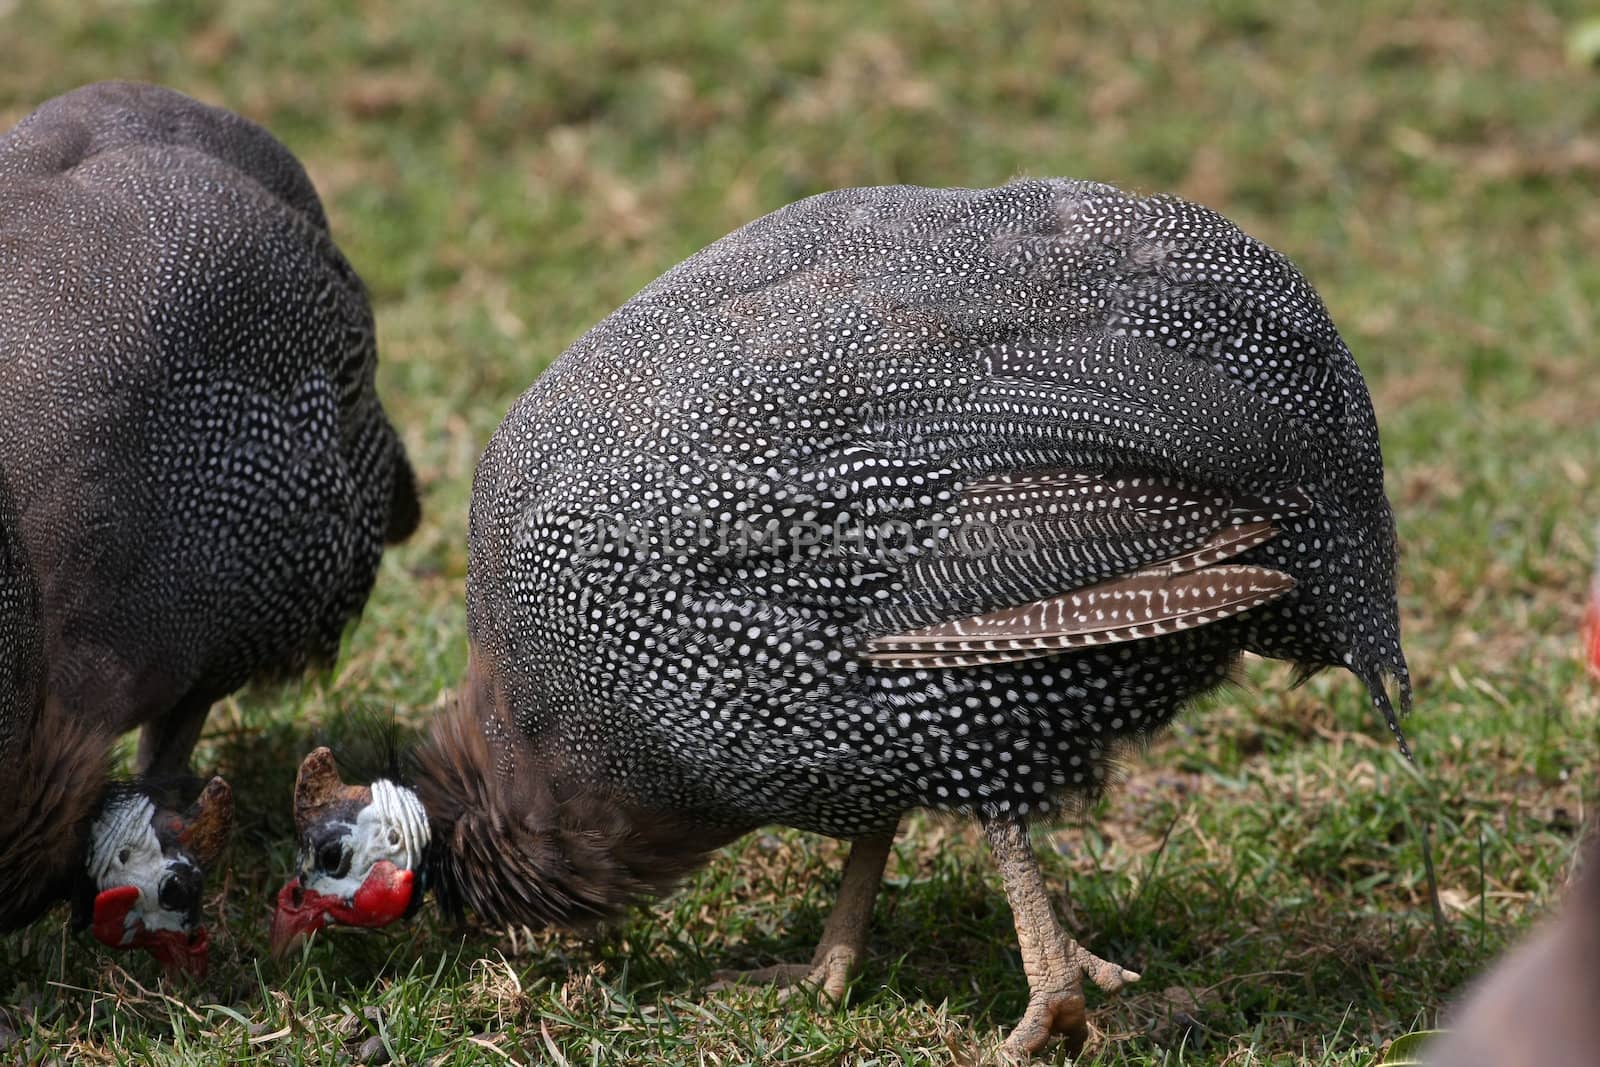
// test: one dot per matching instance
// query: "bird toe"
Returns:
(1053, 1015)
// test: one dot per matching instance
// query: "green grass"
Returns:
(502, 178)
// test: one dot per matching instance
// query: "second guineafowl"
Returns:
(896, 498)
(200, 478)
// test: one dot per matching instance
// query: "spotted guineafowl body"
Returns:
(19, 651)
(696, 535)
(203, 470)
(201, 473)
(896, 498)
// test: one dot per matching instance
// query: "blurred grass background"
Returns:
(502, 175)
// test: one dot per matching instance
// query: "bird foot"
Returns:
(1056, 1008)
(844, 938)
(829, 976)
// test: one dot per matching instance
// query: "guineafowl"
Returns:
(896, 498)
(199, 478)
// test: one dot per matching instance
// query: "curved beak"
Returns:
(299, 914)
(180, 952)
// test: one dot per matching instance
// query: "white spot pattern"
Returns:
(190, 429)
(1127, 375)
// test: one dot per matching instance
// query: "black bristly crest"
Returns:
(370, 741)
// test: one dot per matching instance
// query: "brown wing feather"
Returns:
(1188, 590)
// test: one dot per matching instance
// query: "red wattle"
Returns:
(179, 953)
(384, 896)
(111, 908)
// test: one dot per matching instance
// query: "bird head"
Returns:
(147, 866)
(361, 847)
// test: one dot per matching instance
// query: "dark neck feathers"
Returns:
(57, 772)
(519, 842)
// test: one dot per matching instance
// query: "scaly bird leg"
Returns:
(1055, 964)
(844, 939)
